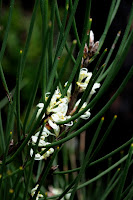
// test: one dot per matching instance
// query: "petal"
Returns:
(91, 43)
(86, 115)
(40, 105)
(55, 127)
(95, 86)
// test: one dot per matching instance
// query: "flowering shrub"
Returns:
(44, 155)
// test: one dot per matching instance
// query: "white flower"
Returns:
(69, 91)
(54, 100)
(87, 114)
(62, 106)
(95, 86)
(57, 191)
(48, 153)
(55, 127)
(70, 123)
(45, 133)
(40, 106)
(84, 78)
(38, 156)
(41, 143)
(33, 192)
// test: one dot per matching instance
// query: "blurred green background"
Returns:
(22, 13)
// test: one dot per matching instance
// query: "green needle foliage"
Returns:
(52, 144)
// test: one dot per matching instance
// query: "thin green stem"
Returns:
(108, 57)
(100, 159)
(7, 30)
(103, 173)
(104, 137)
(87, 19)
(108, 22)
(46, 172)
(111, 185)
(52, 75)
(44, 13)
(51, 37)
(83, 167)
(75, 28)
(63, 24)
(26, 48)
(2, 139)
(18, 98)
(124, 175)
(36, 82)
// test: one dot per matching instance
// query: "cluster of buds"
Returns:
(58, 111)
(90, 50)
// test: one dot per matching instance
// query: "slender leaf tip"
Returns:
(103, 65)
(21, 51)
(11, 191)
(21, 168)
(67, 6)
(119, 33)
(50, 24)
(115, 116)
(74, 42)
(102, 118)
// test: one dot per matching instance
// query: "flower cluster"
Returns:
(84, 75)
(57, 110)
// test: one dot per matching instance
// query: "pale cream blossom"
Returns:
(41, 143)
(83, 81)
(57, 191)
(69, 91)
(84, 78)
(95, 86)
(38, 156)
(33, 192)
(61, 106)
(40, 106)
(54, 100)
(55, 127)
(87, 113)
